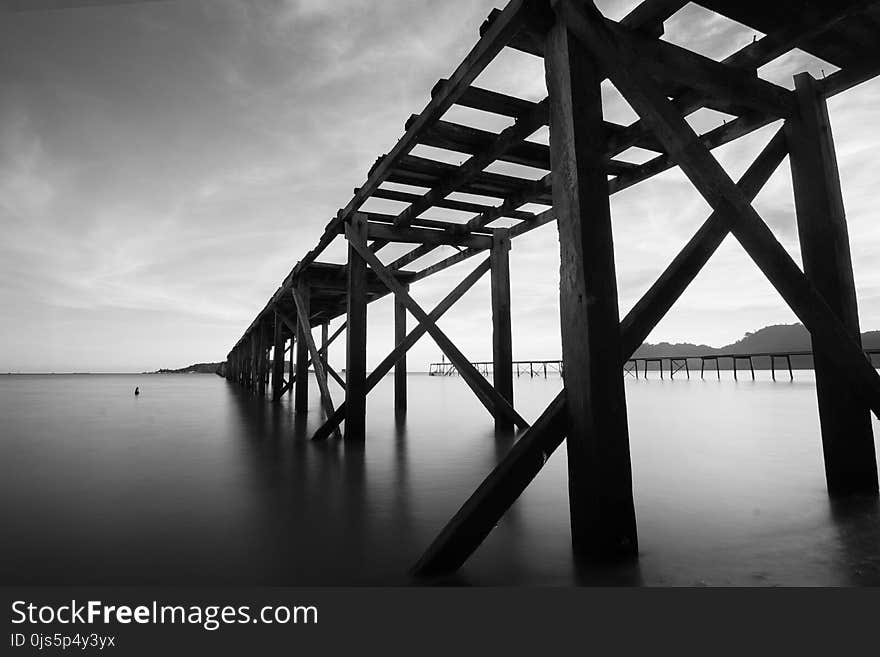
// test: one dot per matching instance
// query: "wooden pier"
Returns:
(531, 368)
(663, 83)
(674, 364)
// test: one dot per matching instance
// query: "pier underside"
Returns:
(583, 164)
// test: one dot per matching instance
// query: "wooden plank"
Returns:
(356, 333)
(450, 204)
(425, 172)
(411, 338)
(302, 314)
(409, 235)
(301, 387)
(599, 471)
(648, 17)
(502, 342)
(493, 402)
(412, 256)
(465, 139)
(438, 224)
(400, 365)
(715, 185)
(472, 169)
(732, 87)
(847, 438)
(497, 103)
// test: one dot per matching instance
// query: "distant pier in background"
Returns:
(673, 364)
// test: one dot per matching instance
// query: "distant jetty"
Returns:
(197, 368)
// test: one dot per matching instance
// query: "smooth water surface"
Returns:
(196, 482)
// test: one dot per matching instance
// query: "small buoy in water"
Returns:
(137, 390)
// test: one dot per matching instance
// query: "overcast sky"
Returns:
(163, 166)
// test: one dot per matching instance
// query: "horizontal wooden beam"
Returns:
(447, 203)
(733, 87)
(403, 234)
(465, 139)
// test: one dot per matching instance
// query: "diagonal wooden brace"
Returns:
(623, 65)
(317, 361)
(491, 399)
(412, 337)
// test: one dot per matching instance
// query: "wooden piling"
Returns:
(400, 365)
(278, 359)
(502, 342)
(847, 438)
(356, 334)
(301, 383)
(600, 475)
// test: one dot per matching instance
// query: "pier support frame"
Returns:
(400, 365)
(502, 342)
(600, 477)
(847, 438)
(356, 333)
(301, 383)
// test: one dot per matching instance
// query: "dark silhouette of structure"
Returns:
(663, 83)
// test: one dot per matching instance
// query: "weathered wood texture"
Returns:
(277, 358)
(301, 385)
(400, 365)
(502, 341)
(599, 472)
(317, 360)
(847, 438)
(356, 332)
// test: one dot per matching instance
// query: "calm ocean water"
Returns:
(195, 482)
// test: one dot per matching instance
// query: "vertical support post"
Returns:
(773, 366)
(325, 346)
(790, 373)
(278, 360)
(301, 385)
(292, 368)
(603, 519)
(847, 439)
(356, 335)
(400, 365)
(255, 355)
(264, 361)
(502, 341)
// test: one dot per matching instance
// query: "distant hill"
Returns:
(197, 368)
(777, 338)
